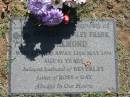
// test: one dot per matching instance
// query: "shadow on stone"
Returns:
(45, 37)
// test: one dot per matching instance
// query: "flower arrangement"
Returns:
(50, 12)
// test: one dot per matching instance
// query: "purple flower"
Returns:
(53, 17)
(44, 11)
(39, 7)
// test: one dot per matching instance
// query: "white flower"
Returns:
(66, 0)
(77, 1)
(80, 1)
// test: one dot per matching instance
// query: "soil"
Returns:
(117, 7)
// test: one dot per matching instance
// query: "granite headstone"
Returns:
(78, 57)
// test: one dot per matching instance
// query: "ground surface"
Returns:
(117, 9)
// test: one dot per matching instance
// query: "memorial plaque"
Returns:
(78, 57)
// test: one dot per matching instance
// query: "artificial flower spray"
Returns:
(50, 12)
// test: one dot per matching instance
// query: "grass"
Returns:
(124, 69)
(3, 27)
(118, 9)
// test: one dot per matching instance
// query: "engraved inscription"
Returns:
(69, 58)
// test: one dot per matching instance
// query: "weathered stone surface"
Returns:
(74, 58)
